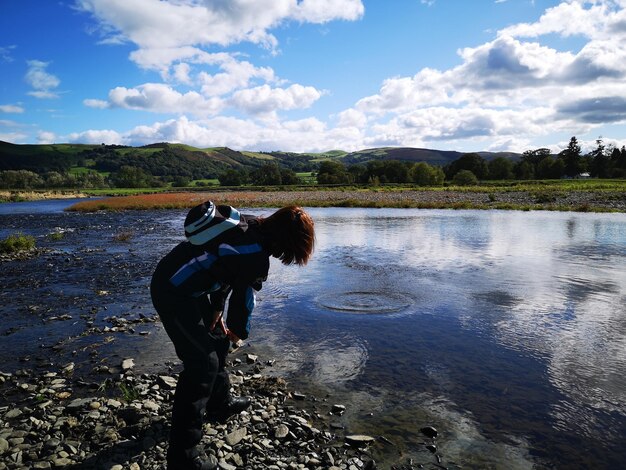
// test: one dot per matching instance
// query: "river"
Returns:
(505, 330)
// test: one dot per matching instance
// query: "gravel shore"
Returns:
(554, 200)
(55, 419)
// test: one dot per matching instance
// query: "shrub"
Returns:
(465, 178)
(56, 236)
(17, 242)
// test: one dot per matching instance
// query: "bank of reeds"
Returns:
(561, 200)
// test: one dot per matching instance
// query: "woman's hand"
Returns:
(218, 321)
(233, 338)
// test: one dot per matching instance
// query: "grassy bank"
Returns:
(567, 196)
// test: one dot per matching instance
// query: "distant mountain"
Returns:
(432, 157)
(163, 158)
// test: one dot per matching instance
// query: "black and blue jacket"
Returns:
(237, 267)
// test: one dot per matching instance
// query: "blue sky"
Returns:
(314, 75)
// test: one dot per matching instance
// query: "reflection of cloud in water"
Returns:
(333, 361)
(399, 414)
(334, 364)
(589, 363)
(549, 286)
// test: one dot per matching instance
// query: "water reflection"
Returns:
(515, 319)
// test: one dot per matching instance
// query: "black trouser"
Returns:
(203, 384)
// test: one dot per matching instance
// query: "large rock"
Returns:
(359, 440)
(236, 436)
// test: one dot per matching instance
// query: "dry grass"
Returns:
(423, 199)
(142, 201)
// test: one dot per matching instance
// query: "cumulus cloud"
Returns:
(351, 118)
(158, 97)
(264, 99)
(509, 90)
(236, 75)
(11, 108)
(42, 82)
(504, 93)
(599, 109)
(297, 136)
(46, 137)
(156, 24)
(571, 18)
(95, 137)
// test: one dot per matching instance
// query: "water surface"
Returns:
(505, 330)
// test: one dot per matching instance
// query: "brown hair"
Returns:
(291, 233)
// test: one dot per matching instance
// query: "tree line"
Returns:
(601, 162)
(178, 167)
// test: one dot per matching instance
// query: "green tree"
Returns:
(423, 174)
(358, 173)
(572, 158)
(465, 178)
(618, 157)
(181, 182)
(54, 179)
(601, 165)
(267, 175)
(550, 168)
(131, 177)
(524, 170)
(289, 177)
(91, 179)
(332, 172)
(470, 161)
(232, 177)
(396, 171)
(500, 168)
(20, 179)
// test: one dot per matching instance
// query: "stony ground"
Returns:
(574, 200)
(57, 420)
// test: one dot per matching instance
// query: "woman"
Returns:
(225, 255)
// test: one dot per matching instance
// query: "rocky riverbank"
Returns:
(15, 196)
(54, 419)
(436, 199)
(544, 199)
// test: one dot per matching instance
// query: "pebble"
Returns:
(359, 440)
(429, 431)
(127, 431)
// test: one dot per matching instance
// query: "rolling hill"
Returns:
(164, 158)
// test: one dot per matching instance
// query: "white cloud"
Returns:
(323, 11)
(178, 23)
(45, 137)
(236, 75)
(504, 94)
(264, 99)
(569, 19)
(296, 136)
(13, 137)
(161, 98)
(351, 118)
(181, 73)
(42, 82)
(509, 91)
(95, 137)
(11, 108)
(92, 103)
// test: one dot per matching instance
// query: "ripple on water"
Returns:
(365, 302)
